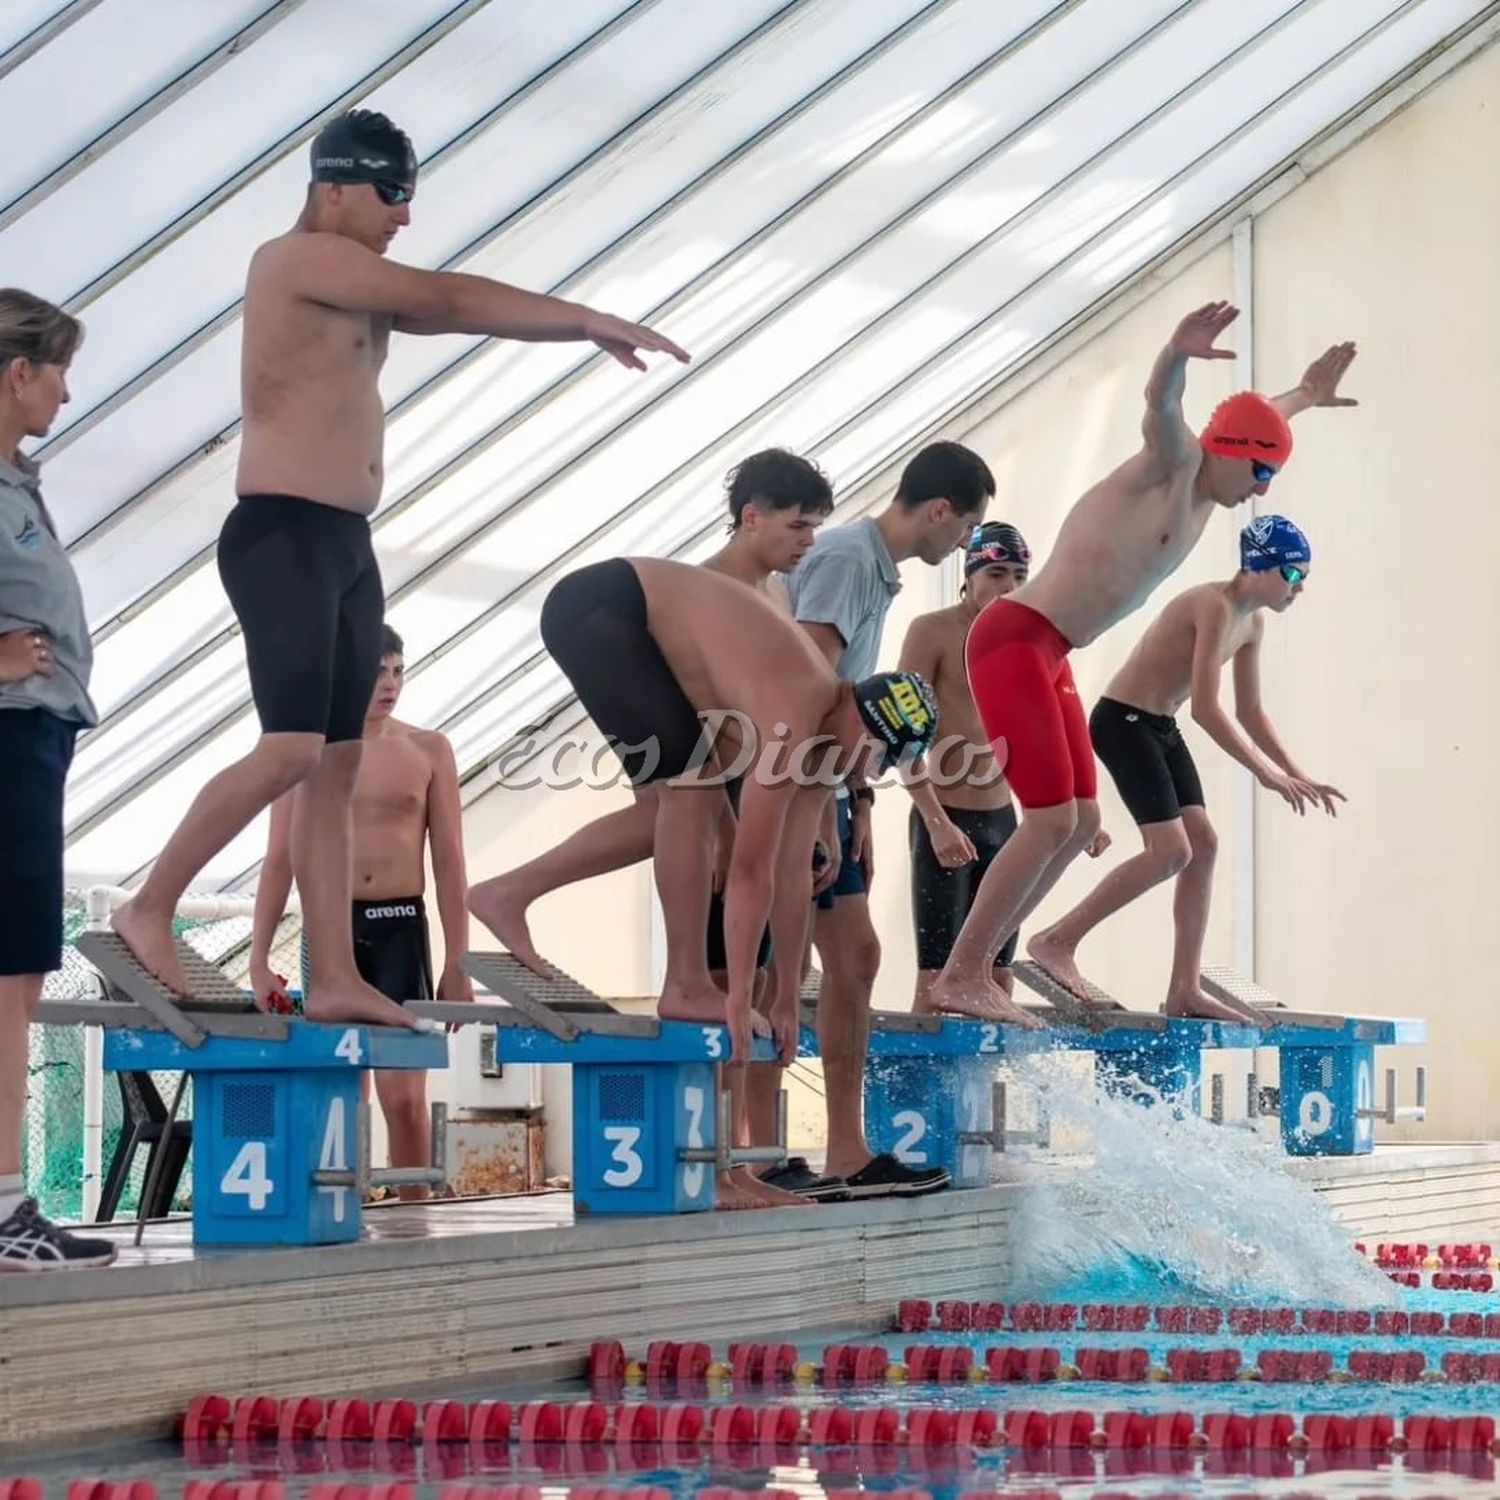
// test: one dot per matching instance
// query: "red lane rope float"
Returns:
(1113, 1364)
(830, 1427)
(607, 1361)
(103, 1489)
(638, 1422)
(300, 1419)
(720, 1492)
(394, 1491)
(947, 1364)
(1200, 1365)
(1470, 1369)
(394, 1421)
(254, 1418)
(1294, 1366)
(20, 1489)
(779, 1424)
(1388, 1369)
(490, 1492)
(540, 1422)
(683, 1423)
(349, 1421)
(223, 1489)
(634, 1492)
(489, 1422)
(205, 1420)
(1030, 1366)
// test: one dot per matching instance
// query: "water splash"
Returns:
(1141, 1191)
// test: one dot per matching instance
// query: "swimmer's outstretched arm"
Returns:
(339, 272)
(1251, 713)
(1211, 619)
(1319, 385)
(1169, 441)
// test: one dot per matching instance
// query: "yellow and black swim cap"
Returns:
(900, 711)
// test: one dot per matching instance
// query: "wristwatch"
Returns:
(864, 794)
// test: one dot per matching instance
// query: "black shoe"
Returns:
(28, 1242)
(797, 1177)
(885, 1177)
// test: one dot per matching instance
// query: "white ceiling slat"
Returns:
(428, 433)
(861, 217)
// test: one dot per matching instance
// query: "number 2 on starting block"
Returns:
(913, 1127)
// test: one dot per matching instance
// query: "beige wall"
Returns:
(1380, 677)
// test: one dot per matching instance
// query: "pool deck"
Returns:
(453, 1294)
(458, 1294)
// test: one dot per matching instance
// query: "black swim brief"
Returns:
(595, 626)
(306, 589)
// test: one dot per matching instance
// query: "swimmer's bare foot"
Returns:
(500, 907)
(353, 1000)
(703, 1003)
(984, 1001)
(148, 935)
(772, 1197)
(1195, 1004)
(730, 1197)
(1058, 960)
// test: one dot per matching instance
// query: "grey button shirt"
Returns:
(848, 580)
(39, 591)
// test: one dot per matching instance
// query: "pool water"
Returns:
(943, 1474)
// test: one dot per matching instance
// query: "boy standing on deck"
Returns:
(405, 803)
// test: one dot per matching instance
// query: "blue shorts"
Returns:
(851, 881)
(36, 749)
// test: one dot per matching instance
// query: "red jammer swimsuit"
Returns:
(1023, 689)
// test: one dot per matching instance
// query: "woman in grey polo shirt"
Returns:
(45, 657)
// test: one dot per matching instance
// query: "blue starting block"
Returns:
(280, 1134)
(280, 1148)
(931, 1096)
(1328, 1105)
(650, 1126)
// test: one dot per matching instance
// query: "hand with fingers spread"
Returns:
(1319, 385)
(1297, 794)
(622, 340)
(1320, 794)
(1197, 334)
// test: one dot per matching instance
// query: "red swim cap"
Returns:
(1247, 426)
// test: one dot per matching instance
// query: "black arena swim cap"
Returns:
(362, 145)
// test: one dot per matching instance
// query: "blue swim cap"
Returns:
(1269, 541)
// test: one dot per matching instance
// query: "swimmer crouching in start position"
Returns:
(295, 554)
(1118, 543)
(693, 677)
